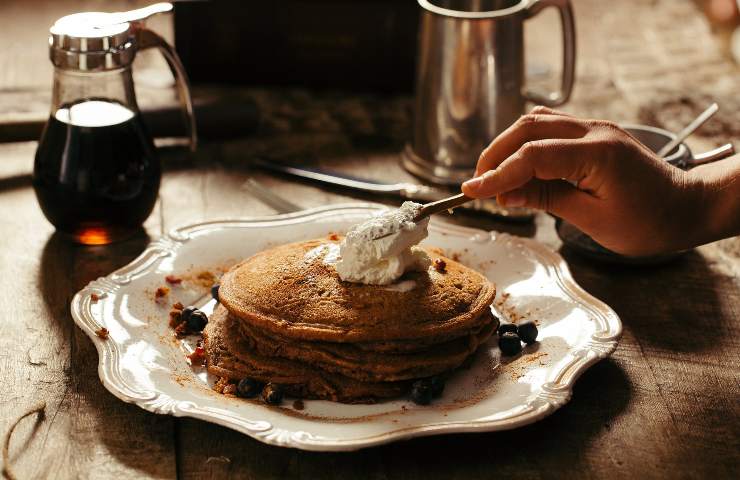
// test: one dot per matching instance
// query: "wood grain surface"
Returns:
(665, 405)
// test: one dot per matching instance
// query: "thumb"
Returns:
(555, 196)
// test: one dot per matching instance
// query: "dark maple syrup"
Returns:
(96, 173)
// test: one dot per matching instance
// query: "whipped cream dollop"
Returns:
(383, 261)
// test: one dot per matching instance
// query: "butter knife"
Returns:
(406, 190)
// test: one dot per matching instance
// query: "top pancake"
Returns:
(292, 291)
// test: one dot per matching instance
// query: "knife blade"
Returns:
(406, 190)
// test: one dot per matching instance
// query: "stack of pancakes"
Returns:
(286, 317)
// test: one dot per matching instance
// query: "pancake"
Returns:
(293, 291)
(364, 364)
(285, 316)
(229, 355)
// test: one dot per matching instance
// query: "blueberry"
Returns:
(507, 327)
(528, 332)
(197, 321)
(214, 291)
(248, 388)
(510, 344)
(438, 386)
(186, 312)
(272, 394)
(422, 392)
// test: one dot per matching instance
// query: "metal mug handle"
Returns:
(555, 99)
(148, 39)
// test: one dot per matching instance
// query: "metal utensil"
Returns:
(431, 208)
(449, 203)
(269, 198)
(408, 191)
(682, 157)
(688, 130)
(719, 153)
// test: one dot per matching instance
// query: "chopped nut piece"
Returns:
(181, 330)
(198, 357)
(161, 292)
(171, 279)
(102, 332)
(176, 315)
(175, 319)
(94, 297)
(440, 265)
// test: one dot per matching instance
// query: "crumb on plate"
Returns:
(440, 265)
(173, 280)
(161, 292)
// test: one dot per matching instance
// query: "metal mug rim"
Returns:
(461, 14)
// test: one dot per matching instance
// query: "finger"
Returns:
(541, 159)
(527, 129)
(555, 196)
(542, 110)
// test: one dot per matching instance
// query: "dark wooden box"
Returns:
(360, 45)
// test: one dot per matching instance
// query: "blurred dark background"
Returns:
(352, 45)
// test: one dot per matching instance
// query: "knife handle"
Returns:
(442, 205)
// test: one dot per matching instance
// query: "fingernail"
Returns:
(513, 199)
(477, 182)
(474, 183)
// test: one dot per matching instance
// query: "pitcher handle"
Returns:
(555, 99)
(149, 39)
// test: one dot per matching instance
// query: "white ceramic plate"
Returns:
(142, 363)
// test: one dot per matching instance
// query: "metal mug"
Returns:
(470, 81)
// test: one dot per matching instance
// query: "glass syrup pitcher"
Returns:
(96, 172)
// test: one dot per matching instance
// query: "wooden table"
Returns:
(664, 405)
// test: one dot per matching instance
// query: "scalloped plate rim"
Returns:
(263, 431)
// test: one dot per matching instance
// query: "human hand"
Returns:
(598, 177)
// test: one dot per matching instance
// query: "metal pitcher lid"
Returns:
(89, 42)
(95, 41)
